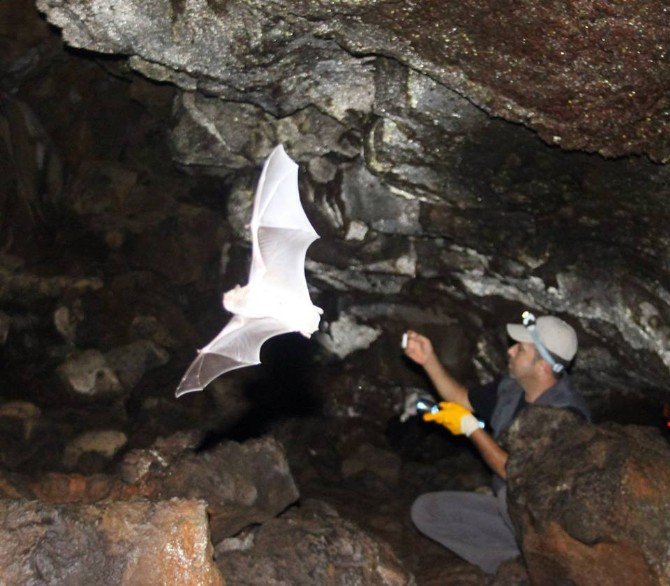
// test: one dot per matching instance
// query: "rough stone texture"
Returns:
(102, 443)
(132, 361)
(418, 194)
(598, 73)
(591, 503)
(138, 543)
(433, 214)
(241, 483)
(511, 573)
(406, 174)
(15, 286)
(345, 336)
(368, 458)
(311, 545)
(378, 498)
(88, 373)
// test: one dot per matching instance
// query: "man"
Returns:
(477, 527)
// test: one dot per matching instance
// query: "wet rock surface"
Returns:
(590, 502)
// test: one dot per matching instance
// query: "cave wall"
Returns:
(456, 159)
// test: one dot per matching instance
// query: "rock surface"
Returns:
(102, 443)
(128, 543)
(591, 503)
(597, 73)
(241, 483)
(311, 544)
(417, 190)
(123, 213)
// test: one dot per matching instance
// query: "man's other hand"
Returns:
(456, 418)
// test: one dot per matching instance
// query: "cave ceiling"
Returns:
(589, 76)
(461, 160)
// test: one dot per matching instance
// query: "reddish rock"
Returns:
(511, 573)
(241, 483)
(77, 488)
(591, 503)
(131, 543)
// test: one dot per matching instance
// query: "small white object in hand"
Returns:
(403, 343)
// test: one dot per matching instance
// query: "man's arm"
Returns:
(492, 453)
(420, 350)
(460, 421)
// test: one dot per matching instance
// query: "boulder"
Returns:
(87, 373)
(242, 484)
(591, 503)
(309, 545)
(131, 543)
(131, 361)
(24, 414)
(92, 373)
(368, 458)
(18, 422)
(103, 444)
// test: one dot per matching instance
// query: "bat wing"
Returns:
(236, 346)
(281, 234)
(280, 230)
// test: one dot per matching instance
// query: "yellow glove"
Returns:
(456, 418)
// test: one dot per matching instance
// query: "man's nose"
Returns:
(512, 350)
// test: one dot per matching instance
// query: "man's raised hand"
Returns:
(418, 348)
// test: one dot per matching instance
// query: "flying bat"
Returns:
(275, 300)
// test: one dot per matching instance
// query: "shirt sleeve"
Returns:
(483, 399)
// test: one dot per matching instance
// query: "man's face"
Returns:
(522, 361)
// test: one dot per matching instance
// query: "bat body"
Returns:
(275, 300)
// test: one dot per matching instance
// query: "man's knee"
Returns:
(422, 511)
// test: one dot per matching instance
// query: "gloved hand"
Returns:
(456, 418)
